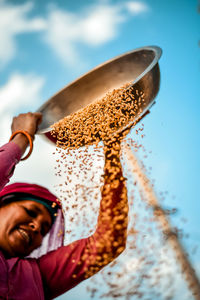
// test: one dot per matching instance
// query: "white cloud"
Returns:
(136, 7)
(101, 24)
(14, 20)
(64, 31)
(20, 93)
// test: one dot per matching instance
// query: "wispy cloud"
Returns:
(136, 7)
(94, 27)
(14, 20)
(20, 93)
(65, 31)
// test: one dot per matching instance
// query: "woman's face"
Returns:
(23, 224)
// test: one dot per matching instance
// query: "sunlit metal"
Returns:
(139, 67)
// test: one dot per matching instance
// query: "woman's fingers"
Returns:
(28, 122)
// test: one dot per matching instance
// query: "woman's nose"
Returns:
(35, 225)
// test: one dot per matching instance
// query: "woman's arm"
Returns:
(11, 153)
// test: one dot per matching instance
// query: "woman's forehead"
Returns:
(35, 204)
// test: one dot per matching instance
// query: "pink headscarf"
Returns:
(55, 237)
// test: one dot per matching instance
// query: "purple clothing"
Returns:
(44, 278)
(49, 275)
(10, 155)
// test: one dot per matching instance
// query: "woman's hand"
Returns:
(28, 122)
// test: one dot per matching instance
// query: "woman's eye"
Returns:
(31, 212)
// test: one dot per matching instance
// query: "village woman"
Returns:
(34, 263)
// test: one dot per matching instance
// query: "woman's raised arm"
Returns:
(11, 153)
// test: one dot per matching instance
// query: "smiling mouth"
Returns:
(24, 234)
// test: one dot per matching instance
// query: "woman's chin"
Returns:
(17, 248)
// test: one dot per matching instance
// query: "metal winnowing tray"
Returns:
(139, 67)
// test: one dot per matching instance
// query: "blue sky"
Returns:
(47, 44)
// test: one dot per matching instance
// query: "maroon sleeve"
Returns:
(10, 155)
(65, 267)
